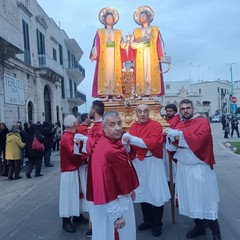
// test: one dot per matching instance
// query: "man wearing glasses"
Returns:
(196, 183)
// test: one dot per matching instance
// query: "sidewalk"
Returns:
(12, 190)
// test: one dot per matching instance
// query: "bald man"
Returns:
(146, 141)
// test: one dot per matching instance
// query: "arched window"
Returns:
(30, 111)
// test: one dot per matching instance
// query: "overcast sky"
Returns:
(201, 36)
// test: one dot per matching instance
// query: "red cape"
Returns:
(95, 130)
(151, 133)
(68, 160)
(197, 133)
(173, 121)
(83, 129)
(110, 171)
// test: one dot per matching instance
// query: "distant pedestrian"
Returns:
(226, 129)
(234, 126)
(48, 133)
(34, 157)
(3, 135)
(224, 121)
(14, 145)
(57, 136)
(23, 131)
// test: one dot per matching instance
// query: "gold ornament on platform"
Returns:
(131, 92)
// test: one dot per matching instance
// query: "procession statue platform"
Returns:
(128, 112)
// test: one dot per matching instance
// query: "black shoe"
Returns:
(197, 231)
(38, 175)
(144, 226)
(49, 165)
(80, 219)
(156, 231)
(10, 178)
(28, 175)
(18, 177)
(68, 227)
(88, 234)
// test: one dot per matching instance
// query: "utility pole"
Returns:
(230, 64)
(208, 72)
(190, 71)
(233, 106)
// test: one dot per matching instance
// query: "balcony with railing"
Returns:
(49, 68)
(11, 39)
(75, 71)
(77, 98)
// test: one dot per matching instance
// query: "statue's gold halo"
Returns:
(104, 11)
(141, 9)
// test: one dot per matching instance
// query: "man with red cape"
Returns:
(172, 119)
(196, 183)
(111, 183)
(69, 197)
(96, 113)
(146, 141)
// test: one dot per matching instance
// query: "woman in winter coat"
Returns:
(34, 157)
(14, 145)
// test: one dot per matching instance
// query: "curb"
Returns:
(228, 145)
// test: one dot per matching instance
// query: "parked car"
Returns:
(216, 119)
(238, 116)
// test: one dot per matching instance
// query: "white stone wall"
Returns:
(210, 92)
(10, 28)
(11, 16)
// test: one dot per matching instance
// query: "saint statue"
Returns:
(109, 51)
(146, 50)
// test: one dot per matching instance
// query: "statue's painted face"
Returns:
(143, 18)
(109, 20)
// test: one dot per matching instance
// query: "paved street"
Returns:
(29, 207)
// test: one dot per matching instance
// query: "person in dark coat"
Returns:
(234, 126)
(48, 133)
(34, 157)
(3, 133)
(23, 131)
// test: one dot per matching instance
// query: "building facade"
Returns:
(218, 93)
(39, 66)
(175, 91)
(209, 97)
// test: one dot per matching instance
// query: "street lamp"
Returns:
(233, 106)
(208, 71)
(230, 64)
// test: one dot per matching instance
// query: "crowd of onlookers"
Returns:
(229, 125)
(16, 149)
